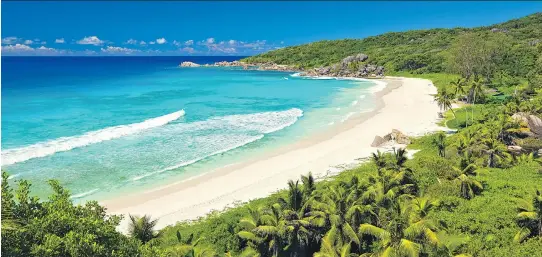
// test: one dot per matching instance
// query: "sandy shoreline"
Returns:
(405, 104)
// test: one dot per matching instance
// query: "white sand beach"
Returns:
(406, 104)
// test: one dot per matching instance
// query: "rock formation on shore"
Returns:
(351, 66)
(189, 64)
(395, 135)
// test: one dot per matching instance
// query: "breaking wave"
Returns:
(63, 144)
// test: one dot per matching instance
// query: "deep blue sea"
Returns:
(106, 125)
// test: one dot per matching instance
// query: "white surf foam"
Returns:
(182, 164)
(354, 103)
(362, 96)
(81, 195)
(252, 126)
(348, 116)
(62, 144)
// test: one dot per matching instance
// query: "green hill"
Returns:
(419, 51)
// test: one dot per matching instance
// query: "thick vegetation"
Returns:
(475, 192)
(427, 51)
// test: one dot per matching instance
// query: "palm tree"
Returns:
(343, 211)
(403, 234)
(530, 218)
(399, 157)
(187, 247)
(379, 160)
(444, 100)
(459, 90)
(476, 88)
(255, 232)
(142, 228)
(462, 144)
(308, 185)
(458, 87)
(469, 185)
(440, 143)
(494, 150)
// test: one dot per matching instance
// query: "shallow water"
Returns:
(104, 126)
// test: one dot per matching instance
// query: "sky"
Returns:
(224, 28)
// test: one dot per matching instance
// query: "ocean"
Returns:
(105, 126)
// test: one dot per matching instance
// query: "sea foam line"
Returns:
(380, 85)
(183, 164)
(263, 117)
(63, 144)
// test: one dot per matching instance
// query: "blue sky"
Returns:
(224, 28)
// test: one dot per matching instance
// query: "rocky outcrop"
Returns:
(399, 137)
(395, 135)
(189, 64)
(515, 149)
(351, 66)
(533, 122)
(355, 66)
(378, 141)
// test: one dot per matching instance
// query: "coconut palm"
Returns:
(399, 157)
(469, 185)
(463, 143)
(188, 247)
(401, 234)
(256, 232)
(476, 88)
(379, 160)
(440, 143)
(308, 185)
(343, 211)
(444, 100)
(530, 218)
(494, 150)
(142, 228)
(458, 87)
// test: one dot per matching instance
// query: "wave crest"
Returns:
(63, 144)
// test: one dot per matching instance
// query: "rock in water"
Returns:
(378, 141)
(189, 64)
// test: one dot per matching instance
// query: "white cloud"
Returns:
(20, 49)
(43, 42)
(118, 50)
(60, 41)
(210, 40)
(177, 43)
(17, 48)
(188, 50)
(152, 42)
(131, 41)
(92, 40)
(189, 42)
(142, 42)
(232, 42)
(161, 41)
(28, 42)
(9, 40)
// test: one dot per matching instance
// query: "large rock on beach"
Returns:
(378, 141)
(399, 137)
(189, 64)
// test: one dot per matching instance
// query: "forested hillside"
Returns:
(422, 51)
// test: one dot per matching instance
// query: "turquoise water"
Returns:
(108, 126)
